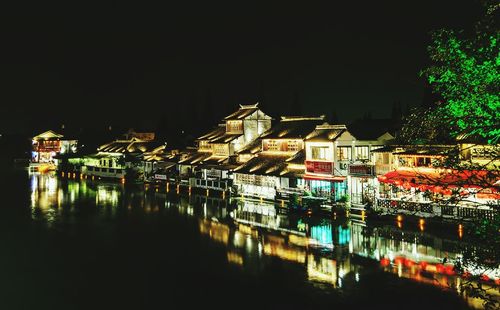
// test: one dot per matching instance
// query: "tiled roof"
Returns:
(48, 135)
(130, 146)
(253, 147)
(271, 164)
(215, 133)
(194, 158)
(298, 158)
(293, 128)
(264, 164)
(244, 111)
(226, 138)
(326, 132)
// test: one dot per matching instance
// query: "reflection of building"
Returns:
(322, 269)
(46, 146)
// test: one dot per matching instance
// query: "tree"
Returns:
(465, 73)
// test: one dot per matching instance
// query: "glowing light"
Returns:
(421, 223)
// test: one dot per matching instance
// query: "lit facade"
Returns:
(210, 165)
(47, 145)
(339, 166)
(273, 168)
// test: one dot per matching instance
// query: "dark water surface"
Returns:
(76, 244)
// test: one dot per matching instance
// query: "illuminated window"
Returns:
(319, 152)
(344, 153)
(234, 126)
(361, 152)
(221, 149)
(293, 146)
(272, 145)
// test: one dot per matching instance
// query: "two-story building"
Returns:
(339, 164)
(47, 146)
(323, 178)
(117, 158)
(215, 157)
(274, 169)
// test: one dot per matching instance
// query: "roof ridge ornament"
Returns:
(249, 106)
(302, 118)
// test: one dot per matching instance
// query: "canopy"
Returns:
(441, 180)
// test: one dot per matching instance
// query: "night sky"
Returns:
(136, 65)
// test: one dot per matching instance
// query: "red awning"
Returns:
(430, 178)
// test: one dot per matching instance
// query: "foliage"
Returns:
(344, 198)
(425, 126)
(465, 73)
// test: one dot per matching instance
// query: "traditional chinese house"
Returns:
(115, 159)
(363, 138)
(46, 146)
(321, 176)
(277, 170)
(215, 157)
(339, 163)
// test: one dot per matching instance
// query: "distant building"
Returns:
(47, 145)
(141, 135)
(114, 158)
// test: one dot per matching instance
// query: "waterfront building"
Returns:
(47, 146)
(118, 158)
(209, 165)
(339, 164)
(274, 168)
(365, 136)
(416, 178)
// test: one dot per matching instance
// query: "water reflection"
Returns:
(329, 251)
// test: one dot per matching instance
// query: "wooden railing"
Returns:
(433, 209)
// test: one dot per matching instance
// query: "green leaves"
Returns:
(466, 74)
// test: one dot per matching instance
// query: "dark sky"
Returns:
(134, 64)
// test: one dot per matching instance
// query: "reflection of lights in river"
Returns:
(235, 258)
(322, 270)
(322, 234)
(107, 196)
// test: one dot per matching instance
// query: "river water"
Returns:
(80, 244)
